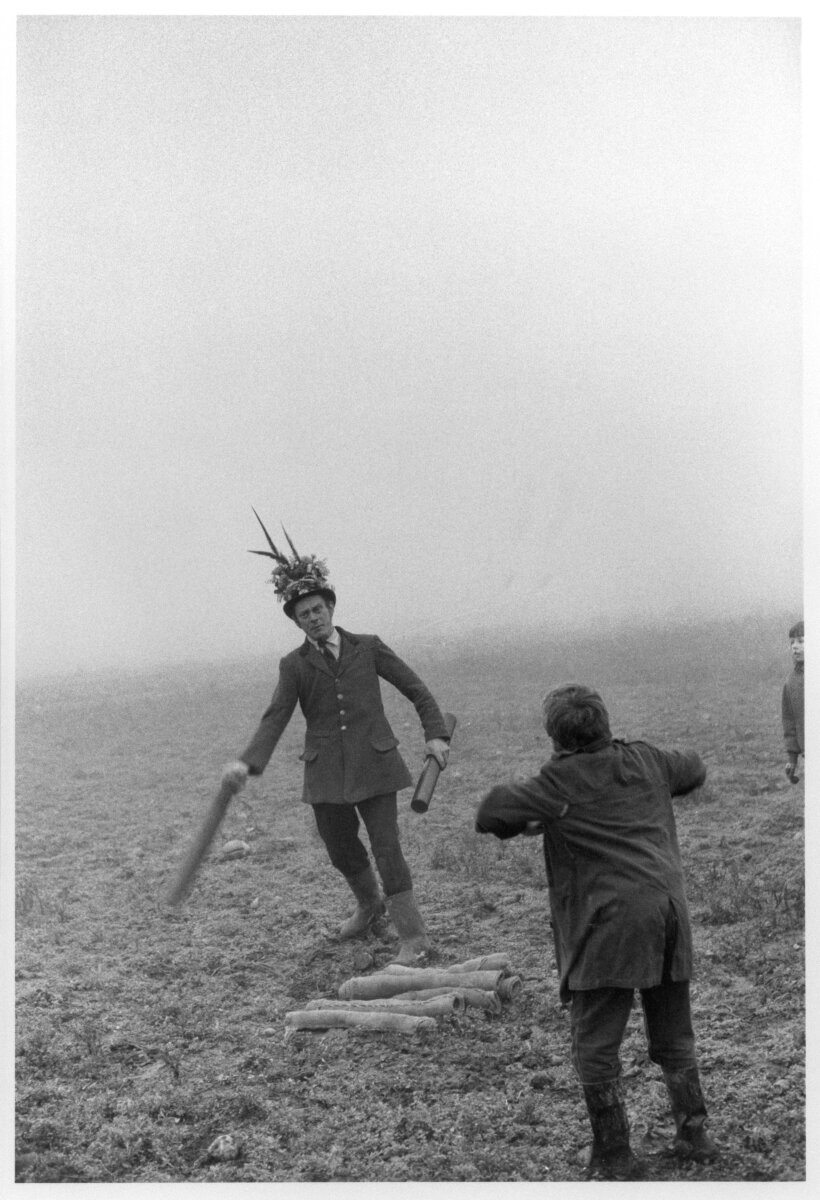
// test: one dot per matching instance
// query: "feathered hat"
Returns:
(292, 578)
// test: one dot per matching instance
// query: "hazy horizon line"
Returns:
(511, 634)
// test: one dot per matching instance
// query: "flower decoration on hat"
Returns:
(297, 576)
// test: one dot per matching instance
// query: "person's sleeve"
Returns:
(684, 771)
(507, 809)
(396, 672)
(274, 721)
(789, 725)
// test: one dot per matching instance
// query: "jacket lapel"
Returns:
(350, 648)
(313, 656)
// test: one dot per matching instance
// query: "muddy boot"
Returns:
(415, 944)
(689, 1110)
(370, 906)
(612, 1157)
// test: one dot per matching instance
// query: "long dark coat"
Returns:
(792, 706)
(612, 858)
(350, 751)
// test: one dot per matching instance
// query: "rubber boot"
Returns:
(414, 943)
(370, 905)
(612, 1156)
(689, 1110)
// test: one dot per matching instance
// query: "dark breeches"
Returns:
(338, 826)
(599, 1018)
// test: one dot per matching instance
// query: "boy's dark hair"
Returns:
(797, 630)
(575, 716)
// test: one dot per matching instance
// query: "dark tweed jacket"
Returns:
(350, 750)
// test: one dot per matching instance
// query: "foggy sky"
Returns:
(499, 315)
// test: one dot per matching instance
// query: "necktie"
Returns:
(328, 656)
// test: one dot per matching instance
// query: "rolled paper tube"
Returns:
(429, 993)
(472, 997)
(498, 964)
(441, 976)
(489, 1001)
(334, 1018)
(434, 1006)
(486, 980)
(490, 962)
(201, 844)
(385, 983)
(428, 779)
(509, 988)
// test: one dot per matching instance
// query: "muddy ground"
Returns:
(144, 1032)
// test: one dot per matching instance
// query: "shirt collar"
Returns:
(334, 640)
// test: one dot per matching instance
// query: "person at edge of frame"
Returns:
(619, 911)
(792, 702)
(353, 768)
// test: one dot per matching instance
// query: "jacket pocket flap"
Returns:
(309, 754)
(383, 742)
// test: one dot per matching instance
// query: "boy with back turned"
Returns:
(619, 912)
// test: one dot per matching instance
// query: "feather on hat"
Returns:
(300, 575)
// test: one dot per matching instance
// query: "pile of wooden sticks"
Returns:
(413, 999)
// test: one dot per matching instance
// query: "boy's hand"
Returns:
(533, 828)
(791, 770)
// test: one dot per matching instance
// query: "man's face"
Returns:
(796, 647)
(314, 615)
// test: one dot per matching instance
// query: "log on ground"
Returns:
(330, 1018)
(388, 983)
(472, 997)
(490, 962)
(445, 1005)
(509, 988)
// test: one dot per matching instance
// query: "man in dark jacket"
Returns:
(353, 768)
(619, 913)
(792, 702)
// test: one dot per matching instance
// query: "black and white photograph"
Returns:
(405, 516)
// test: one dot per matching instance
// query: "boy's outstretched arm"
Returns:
(510, 809)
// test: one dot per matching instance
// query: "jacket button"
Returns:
(344, 727)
